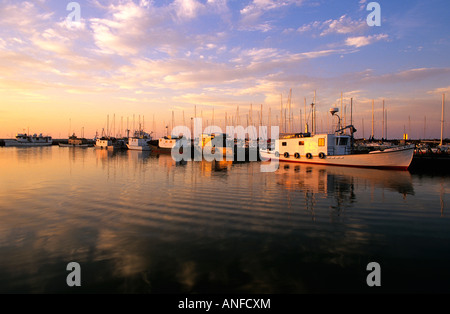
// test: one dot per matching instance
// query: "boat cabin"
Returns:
(302, 145)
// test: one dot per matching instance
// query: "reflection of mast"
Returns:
(442, 198)
(310, 202)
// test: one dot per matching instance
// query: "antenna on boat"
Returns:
(334, 112)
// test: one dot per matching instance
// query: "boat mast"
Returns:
(442, 119)
(281, 109)
(424, 127)
(373, 120)
(382, 123)
(342, 109)
(306, 119)
(351, 122)
(313, 115)
(289, 103)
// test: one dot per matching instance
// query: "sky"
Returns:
(151, 59)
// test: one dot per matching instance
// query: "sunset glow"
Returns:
(152, 58)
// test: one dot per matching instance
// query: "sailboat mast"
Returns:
(314, 115)
(382, 123)
(373, 118)
(442, 119)
(289, 102)
(425, 127)
(281, 112)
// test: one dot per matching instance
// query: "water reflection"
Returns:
(325, 179)
(141, 222)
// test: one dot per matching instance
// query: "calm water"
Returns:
(139, 223)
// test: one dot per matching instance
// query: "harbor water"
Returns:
(136, 222)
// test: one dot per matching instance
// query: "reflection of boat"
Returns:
(74, 141)
(336, 149)
(140, 141)
(24, 140)
(324, 179)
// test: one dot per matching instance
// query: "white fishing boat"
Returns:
(336, 149)
(140, 141)
(25, 140)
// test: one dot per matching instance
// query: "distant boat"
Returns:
(24, 140)
(74, 141)
(140, 141)
(336, 149)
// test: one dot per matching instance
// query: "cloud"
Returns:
(258, 7)
(252, 13)
(343, 25)
(187, 9)
(361, 41)
(440, 90)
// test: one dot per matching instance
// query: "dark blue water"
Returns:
(142, 223)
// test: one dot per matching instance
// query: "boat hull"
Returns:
(74, 145)
(160, 150)
(396, 158)
(14, 143)
(138, 148)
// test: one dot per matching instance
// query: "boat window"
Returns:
(342, 141)
(321, 142)
(301, 143)
(284, 143)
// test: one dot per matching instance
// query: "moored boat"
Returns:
(140, 141)
(163, 145)
(336, 149)
(109, 143)
(25, 140)
(75, 141)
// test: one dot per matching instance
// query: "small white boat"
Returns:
(24, 140)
